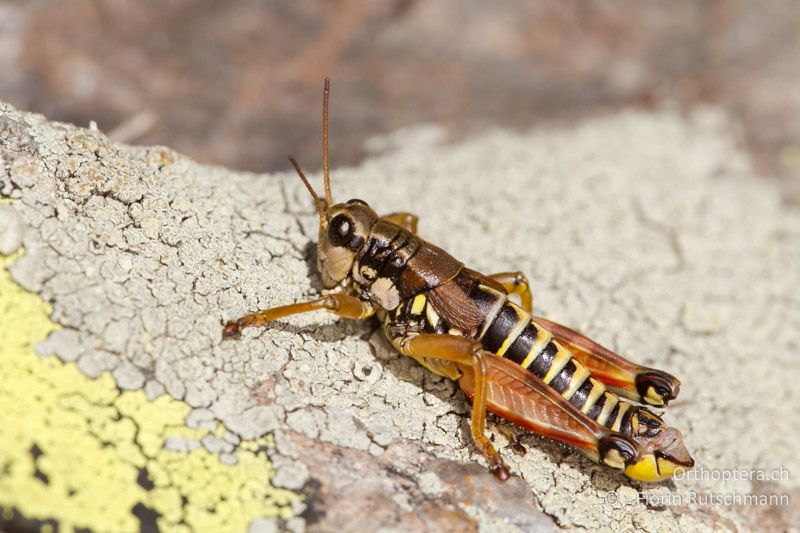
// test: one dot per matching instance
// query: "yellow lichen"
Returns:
(71, 448)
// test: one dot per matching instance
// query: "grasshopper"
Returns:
(462, 324)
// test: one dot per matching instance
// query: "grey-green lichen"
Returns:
(647, 231)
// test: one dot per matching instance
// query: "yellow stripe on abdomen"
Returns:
(597, 390)
(611, 401)
(418, 305)
(624, 406)
(578, 377)
(543, 338)
(560, 360)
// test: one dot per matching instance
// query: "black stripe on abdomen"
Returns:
(580, 396)
(501, 327)
(520, 348)
(625, 423)
(562, 379)
(543, 361)
(612, 416)
(594, 412)
(486, 299)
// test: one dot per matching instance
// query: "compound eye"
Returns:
(340, 230)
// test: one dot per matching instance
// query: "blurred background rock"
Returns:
(237, 83)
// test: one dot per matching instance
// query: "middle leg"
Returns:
(516, 283)
(403, 219)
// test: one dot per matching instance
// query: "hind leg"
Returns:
(467, 353)
(524, 399)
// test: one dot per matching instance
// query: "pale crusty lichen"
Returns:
(647, 231)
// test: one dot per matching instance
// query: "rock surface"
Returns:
(644, 230)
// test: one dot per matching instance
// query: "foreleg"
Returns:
(343, 305)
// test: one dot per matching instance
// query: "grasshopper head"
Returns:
(343, 228)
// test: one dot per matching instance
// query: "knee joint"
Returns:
(330, 303)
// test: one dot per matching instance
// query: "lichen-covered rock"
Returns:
(646, 231)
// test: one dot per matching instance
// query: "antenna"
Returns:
(326, 168)
(319, 203)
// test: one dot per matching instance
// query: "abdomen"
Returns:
(509, 332)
